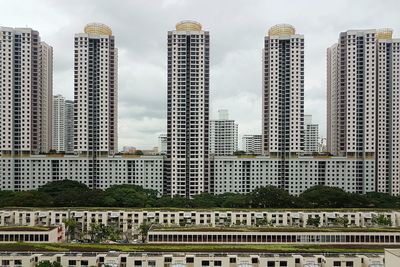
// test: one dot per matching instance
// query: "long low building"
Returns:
(14, 234)
(120, 259)
(237, 174)
(31, 172)
(126, 219)
(272, 236)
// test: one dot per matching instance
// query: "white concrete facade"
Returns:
(283, 92)
(187, 169)
(25, 92)
(244, 174)
(96, 91)
(223, 135)
(252, 144)
(363, 101)
(162, 144)
(311, 135)
(59, 123)
(193, 259)
(36, 171)
(130, 219)
(229, 173)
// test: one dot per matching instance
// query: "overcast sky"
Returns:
(237, 29)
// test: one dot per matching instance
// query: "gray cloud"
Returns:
(237, 30)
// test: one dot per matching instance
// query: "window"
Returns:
(337, 263)
(189, 260)
(217, 263)
(205, 263)
(270, 264)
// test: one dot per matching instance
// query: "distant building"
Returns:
(58, 127)
(69, 126)
(252, 144)
(223, 135)
(311, 139)
(162, 144)
(63, 125)
(128, 149)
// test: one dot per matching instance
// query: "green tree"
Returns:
(263, 222)
(101, 232)
(382, 200)
(205, 200)
(129, 196)
(381, 220)
(48, 264)
(341, 221)
(138, 152)
(70, 228)
(66, 193)
(325, 197)
(270, 197)
(144, 229)
(314, 221)
(233, 200)
(31, 198)
(174, 202)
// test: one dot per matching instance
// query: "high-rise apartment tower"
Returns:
(26, 89)
(364, 102)
(96, 91)
(283, 92)
(187, 165)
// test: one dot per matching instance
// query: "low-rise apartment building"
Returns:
(159, 259)
(131, 219)
(235, 174)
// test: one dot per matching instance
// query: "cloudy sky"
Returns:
(237, 29)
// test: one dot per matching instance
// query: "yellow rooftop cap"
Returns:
(98, 29)
(281, 30)
(188, 25)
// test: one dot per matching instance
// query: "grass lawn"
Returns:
(42, 247)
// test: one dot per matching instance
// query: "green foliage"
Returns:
(313, 221)
(129, 196)
(325, 197)
(100, 232)
(239, 153)
(139, 152)
(66, 193)
(144, 229)
(70, 227)
(270, 197)
(48, 264)
(341, 221)
(381, 220)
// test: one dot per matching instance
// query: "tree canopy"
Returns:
(66, 193)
